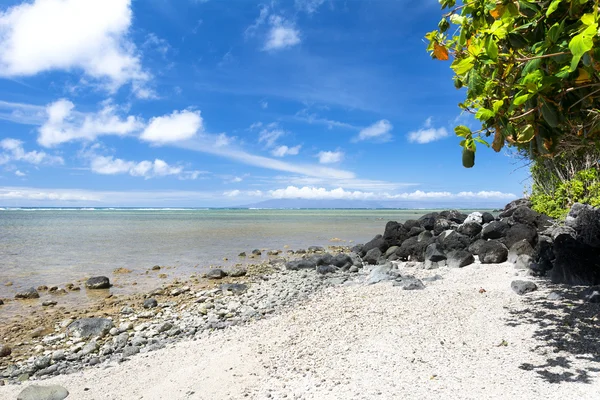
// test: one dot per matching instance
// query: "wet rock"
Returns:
(523, 287)
(89, 327)
(492, 252)
(216, 273)
(38, 392)
(5, 351)
(98, 282)
(256, 252)
(234, 288)
(150, 303)
(30, 293)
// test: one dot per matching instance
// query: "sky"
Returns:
(216, 103)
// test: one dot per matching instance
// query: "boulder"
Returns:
(454, 216)
(494, 230)
(575, 263)
(586, 222)
(305, 263)
(216, 273)
(523, 287)
(412, 223)
(510, 208)
(543, 256)
(452, 240)
(519, 232)
(475, 246)
(390, 251)
(327, 269)
(343, 261)
(379, 274)
(358, 249)
(519, 248)
(492, 252)
(523, 261)
(487, 218)
(236, 272)
(427, 221)
(376, 242)
(476, 217)
(470, 229)
(459, 258)
(372, 256)
(441, 225)
(591, 294)
(98, 282)
(525, 215)
(415, 230)
(89, 327)
(394, 234)
(433, 254)
(414, 248)
(38, 392)
(30, 293)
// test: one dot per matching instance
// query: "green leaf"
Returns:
(579, 45)
(462, 131)
(497, 105)
(554, 33)
(526, 134)
(463, 66)
(553, 6)
(550, 114)
(519, 100)
(588, 19)
(483, 114)
(482, 141)
(491, 48)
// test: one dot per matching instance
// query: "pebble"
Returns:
(37, 392)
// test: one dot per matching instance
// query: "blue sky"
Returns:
(220, 103)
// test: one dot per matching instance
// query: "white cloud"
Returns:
(260, 20)
(236, 179)
(307, 192)
(232, 193)
(379, 132)
(281, 35)
(63, 124)
(20, 113)
(427, 133)
(330, 157)
(28, 194)
(223, 140)
(14, 151)
(107, 165)
(282, 151)
(269, 135)
(20, 174)
(309, 6)
(305, 116)
(180, 125)
(90, 35)
(264, 104)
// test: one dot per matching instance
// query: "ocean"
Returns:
(54, 247)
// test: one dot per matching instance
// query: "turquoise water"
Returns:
(55, 247)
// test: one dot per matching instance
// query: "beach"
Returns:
(450, 340)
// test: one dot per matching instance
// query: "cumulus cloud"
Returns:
(330, 157)
(320, 193)
(91, 36)
(45, 195)
(13, 151)
(379, 132)
(20, 174)
(281, 35)
(178, 126)
(107, 165)
(282, 151)
(427, 133)
(63, 124)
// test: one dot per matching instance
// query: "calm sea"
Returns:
(58, 246)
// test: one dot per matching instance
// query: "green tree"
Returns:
(531, 73)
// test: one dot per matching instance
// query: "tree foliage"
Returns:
(530, 69)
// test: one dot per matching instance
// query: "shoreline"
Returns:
(371, 340)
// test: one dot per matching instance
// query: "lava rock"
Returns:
(543, 256)
(394, 234)
(414, 248)
(522, 247)
(376, 243)
(98, 282)
(591, 294)
(470, 229)
(525, 215)
(495, 230)
(306, 263)
(427, 221)
(519, 232)
(441, 225)
(379, 274)
(30, 293)
(5, 350)
(88, 327)
(575, 262)
(475, 246)
(586, 222)
(454, 216)
(216, 273)
(452, 240)
(372, 256)
(511, 207)
(433, 253)
(523, 287)
(459, 258)
(328, 269)
(412, 223)
(492, 252)
(487, 217)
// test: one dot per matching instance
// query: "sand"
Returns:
(451, 340)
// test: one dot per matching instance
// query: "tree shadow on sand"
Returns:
(568, 325)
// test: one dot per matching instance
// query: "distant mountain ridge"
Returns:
(370, 204)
